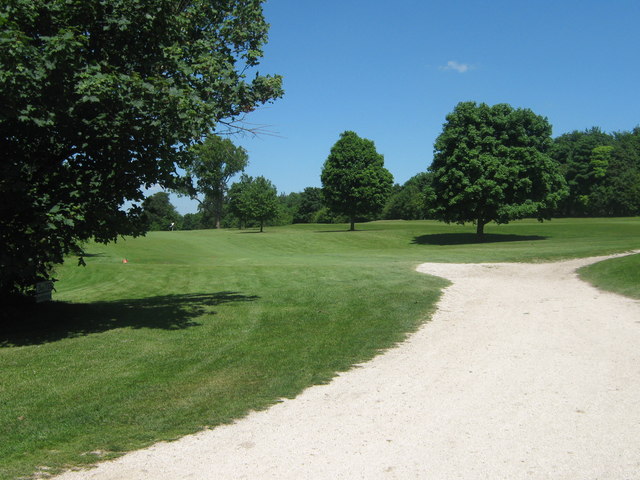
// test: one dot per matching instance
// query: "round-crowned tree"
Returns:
(491, 164)
(354, 180)
(254, 199)
(214, 162)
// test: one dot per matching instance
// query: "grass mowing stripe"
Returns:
(200, 327)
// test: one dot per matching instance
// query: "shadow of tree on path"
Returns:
(34, 324)
(471, 238)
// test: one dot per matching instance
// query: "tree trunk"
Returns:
(353, 224)
(218, 208)
(261, 225)
(480, 229)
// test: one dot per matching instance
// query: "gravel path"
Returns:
(524, 372)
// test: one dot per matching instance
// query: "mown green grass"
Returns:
(198, 328)
(620, 275)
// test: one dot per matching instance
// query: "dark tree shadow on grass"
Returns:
(33, 324)
(472, 238)
(92, 255)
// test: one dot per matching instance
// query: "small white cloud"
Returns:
(457, 66)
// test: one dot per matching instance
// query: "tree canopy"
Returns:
(254, 199)
(602, 171)
(158, 212)
(354, 180)
(102, 98)
(310, 204)
(491, 163)
(407, 202)
(214, 162)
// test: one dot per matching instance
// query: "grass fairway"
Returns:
(620, 275)
(200, 327)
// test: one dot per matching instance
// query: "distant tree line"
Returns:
(601, 171)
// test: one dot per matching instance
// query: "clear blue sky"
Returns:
(392, 71)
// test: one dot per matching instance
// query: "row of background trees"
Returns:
(601, 170)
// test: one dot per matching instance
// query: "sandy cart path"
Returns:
(524, 372)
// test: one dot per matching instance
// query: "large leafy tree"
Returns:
(254, 199)
(491, 164)
(215, 161)
(102, 98)
(354, 180)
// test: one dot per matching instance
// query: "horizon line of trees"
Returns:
(601, 170)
